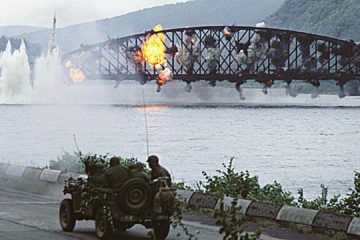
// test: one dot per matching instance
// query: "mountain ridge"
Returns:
(192, 13)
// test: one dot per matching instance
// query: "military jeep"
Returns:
(120, 209)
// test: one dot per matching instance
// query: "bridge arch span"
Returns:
(218, 53)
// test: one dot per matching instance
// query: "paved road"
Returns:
(34, 217)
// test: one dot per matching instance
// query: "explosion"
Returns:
(77, 75)
(153, 50)
(68, 64)
(164, 76)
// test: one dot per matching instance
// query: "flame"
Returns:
(138, 56)
(154, 107)
(227, 32)
(153, 50)
(68, 64)
(77, 75)
(269, 82)
(164, 76)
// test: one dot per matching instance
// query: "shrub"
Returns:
(231, 222)
(67, 163)
(273, 193)
(78, 162)
(230, 183)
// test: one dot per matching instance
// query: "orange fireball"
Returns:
(164, 76)
(77, 75)
(153, 50)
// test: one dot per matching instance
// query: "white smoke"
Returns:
(212, 58)
(256, 50)
(188, 54)
(261, 25)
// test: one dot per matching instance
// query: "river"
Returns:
(299, 142)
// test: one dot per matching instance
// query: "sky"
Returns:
(40, 12)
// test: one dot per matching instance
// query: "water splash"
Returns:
(49, 77)
(48, 80)
(15, 83)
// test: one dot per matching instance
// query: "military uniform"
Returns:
(116, 176)
(160, 171)
(96, 180)
(141, 174)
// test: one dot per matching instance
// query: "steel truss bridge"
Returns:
(218, 53)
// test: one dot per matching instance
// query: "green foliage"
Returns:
(182, 186)
(235, 184)
(230, 183)
(273, 193)
(337, 18)
(78, 162)
(178, 223)
(320, 203)
(351, 204)
(231, 222)
(67, 163)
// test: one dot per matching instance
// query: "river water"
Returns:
(299, 142)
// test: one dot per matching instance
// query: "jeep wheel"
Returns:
(102, 225)
(161, 230)
(135, 195)
(66, 215)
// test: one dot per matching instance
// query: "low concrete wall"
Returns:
(15, 171)
(47, 181)
(50, 175)
(296, 215)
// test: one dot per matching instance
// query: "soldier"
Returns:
(96, 179)
(116, 175)
(157, 170)
(137, 170)
(95, 175)
(164, 199)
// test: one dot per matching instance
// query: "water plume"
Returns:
(15, 75)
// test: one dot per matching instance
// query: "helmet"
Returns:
(114, 161)
(153, 159)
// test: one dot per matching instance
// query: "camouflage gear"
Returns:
(115, 177)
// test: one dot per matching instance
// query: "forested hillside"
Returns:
(192, 13)
(337, 18)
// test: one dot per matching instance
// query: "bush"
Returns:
(67, 163)
(242, 185)
(351, 204)
(320, 203)
(78, 162)
(273, 193)
(230, 183)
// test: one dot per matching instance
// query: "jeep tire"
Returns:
(102, 225)
(67, 216)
